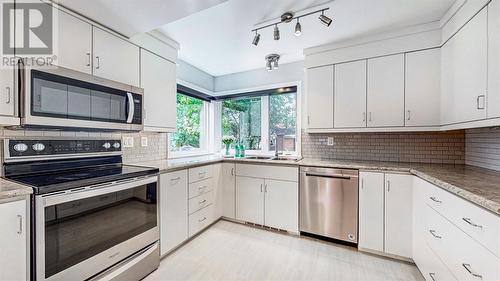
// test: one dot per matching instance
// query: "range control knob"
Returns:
(116, 145)
(21, 147)
(106, 145)
(38, 146)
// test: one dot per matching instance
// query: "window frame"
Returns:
(264, 119)
(205, 125)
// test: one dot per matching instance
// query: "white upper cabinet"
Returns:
(158, 79)
(350, 95)
(13, 242)
(464, 73)
(385, 93)
(371, 211)
(7, 94)
(494, 59)
(114, 58)
(75, 43)
(320, 97)
(423, 88)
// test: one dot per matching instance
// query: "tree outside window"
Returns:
(283, 120)
(189, 124)
(241, 118)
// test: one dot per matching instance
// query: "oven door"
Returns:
(86, 230)
(58, 97)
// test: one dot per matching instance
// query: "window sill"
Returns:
(177, 155)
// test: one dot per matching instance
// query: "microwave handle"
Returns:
(131, 110)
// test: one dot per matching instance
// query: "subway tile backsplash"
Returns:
(155, 150)
(482, 147)
(421, 147)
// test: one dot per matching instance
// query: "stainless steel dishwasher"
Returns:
(329, 203)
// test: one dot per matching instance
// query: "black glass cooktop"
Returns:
(68, 179)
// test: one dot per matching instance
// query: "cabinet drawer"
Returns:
(200, 173)
(268, 172)
(201, 219)
(200, 202)
(200, 187)
(480, 224)
(467, 259)
(431, 266)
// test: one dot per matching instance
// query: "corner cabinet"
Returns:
(385, 213)
(158, 79)
(320, 97)
(14, 243)
(115, 58)
(228, 190)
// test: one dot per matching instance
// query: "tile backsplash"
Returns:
(156, 148)
(482, 147)
(421, 147)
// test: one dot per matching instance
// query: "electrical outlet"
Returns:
(330, 141)
(128, 141)
(144, 141)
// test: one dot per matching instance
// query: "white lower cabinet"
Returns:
(267, 201)
(385, 213)
(202, 197)
(200, 220)
(250, 199)
(228, 190)
(173, 210)
(13, 242)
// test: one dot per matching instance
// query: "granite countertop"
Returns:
(10, 189)
(477, 185)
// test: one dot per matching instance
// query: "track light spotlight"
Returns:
(269, 67)
(256, 39)
(272, 61)
(298, 28)
(324, 19)
(275, 64)
(276, 33)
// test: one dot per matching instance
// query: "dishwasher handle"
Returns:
(328, 176)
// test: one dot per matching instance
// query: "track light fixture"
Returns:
(298, 28)
(288, 17)
(276, 33)
(256, 39)
(272, 62)
(324, 19)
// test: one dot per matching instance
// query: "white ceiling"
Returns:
(133, 17)
(218, 40)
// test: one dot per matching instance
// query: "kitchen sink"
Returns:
(283, 158)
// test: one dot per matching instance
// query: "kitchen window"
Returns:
(256, 118)
(191, 137)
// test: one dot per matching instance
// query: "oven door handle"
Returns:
(94, 190)
(130, 102)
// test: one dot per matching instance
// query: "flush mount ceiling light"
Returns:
(289, 17)
(272, 62)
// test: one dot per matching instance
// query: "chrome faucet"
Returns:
(278, 139)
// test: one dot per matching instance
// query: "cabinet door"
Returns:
(115, 59)
(281, 205)
(350, 95)
(464, 72)
(7, 92)
(250, 200)
(494, 59)
(173, 210)
(228, 188)
(159, 83)
(320, 97)
(13, 261)
(385, 93)
(423, 88)
(75, 43)
(398, 214)
(371, 211)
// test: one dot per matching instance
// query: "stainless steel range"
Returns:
(92, 216)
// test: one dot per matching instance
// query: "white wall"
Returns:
(290, 72)
(189, 73)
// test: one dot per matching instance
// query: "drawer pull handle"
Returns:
(20, 229)
(203, 201)
(435, 199)
(469, 269)
(202, 173)
(433, 232)
(203, 219)
(469, 221)
(175, 179)
(202, 187)
(432, 275)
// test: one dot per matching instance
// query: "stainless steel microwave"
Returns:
(61, 98)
